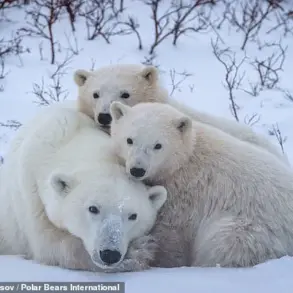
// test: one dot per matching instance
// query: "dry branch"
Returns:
(233, 77)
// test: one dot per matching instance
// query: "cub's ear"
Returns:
(150, 73)
(117, 110)
(62, 183)
(80, 76)
(183, 124)
(157, 196)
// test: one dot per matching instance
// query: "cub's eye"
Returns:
(157, 146)
(125, 95)
(132, 217)
(96, 95)
(94, 210)
(129, 141)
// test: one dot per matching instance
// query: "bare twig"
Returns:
(41, 51)
(13, 124)
(283, 21)
(12, 46)
(54, 92)
(3, 72)
(132, 24)
(61, 67)
(175, 82)
(268, 68)
(233, 78)
(278, 134)
(93, 64)
(288, 95)
(72, 8)
(252, 119)
(150, 60)
(73, 48)
(253, 90)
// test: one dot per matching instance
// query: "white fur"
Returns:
(229, 203)
(59, 165)
(142, 84)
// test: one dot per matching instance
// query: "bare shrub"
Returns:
(102, 19)
(44, 14)
(268, 68)
(177, 78)
(249, 16)
(178, 19)
(12, 46)
(233, 76)
(53, 92)
(192, 17)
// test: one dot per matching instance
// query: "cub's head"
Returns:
(105, 212)
(128, 83)
(152, 139)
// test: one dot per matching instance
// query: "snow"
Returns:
(273, 276)
(203, 90)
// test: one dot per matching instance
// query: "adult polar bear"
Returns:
(229, 203)
(66, 202)
(132, 84)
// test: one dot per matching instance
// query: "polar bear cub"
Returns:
(66, 201)
(229, 203)
(131, 84)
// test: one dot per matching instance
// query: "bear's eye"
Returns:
(125, 95)
(157, 146)
(94, 210)
(129, 141)
(96, 95)
(132, 217)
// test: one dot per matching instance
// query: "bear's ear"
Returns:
(183, 124)
(62, 183)
(157, 196)
(117, 110)
(150, 73)
(80, 76)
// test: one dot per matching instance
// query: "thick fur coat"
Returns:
(229, 202)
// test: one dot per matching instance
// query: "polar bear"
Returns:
(67, 202)
(134, 83)
(229, 203)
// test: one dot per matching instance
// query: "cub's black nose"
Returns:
(137, 172)
(110, 256)
(104, 118)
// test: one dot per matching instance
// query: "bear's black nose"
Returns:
(104, 118)
(110, 256)
(137, 172)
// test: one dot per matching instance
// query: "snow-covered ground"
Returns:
(203, 89)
